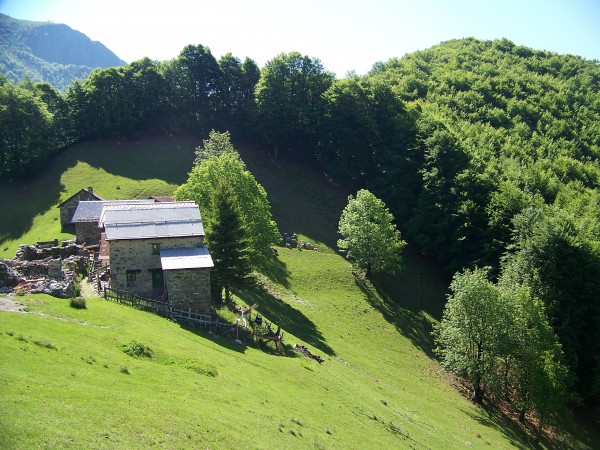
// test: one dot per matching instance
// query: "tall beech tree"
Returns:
(290, 100)
(249, 197)
(473, 331)
(369, 236)
(26, 132)
(499, 338)
(536, 369)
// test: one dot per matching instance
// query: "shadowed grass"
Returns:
(377, 388)
(116, 169)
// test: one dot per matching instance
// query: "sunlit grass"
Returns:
(66, 381)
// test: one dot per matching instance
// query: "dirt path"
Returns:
(9, 305)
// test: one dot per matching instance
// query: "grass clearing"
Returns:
(115, 169)
(378, 387)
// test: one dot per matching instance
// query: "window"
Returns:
(156, 249)
(131, 277)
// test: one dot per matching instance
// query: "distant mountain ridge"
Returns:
(50, 52)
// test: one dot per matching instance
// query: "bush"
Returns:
(78, 303)
(77, 289)
(137, 350)
(45, 343)
(124, 370)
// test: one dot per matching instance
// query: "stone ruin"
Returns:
(42, 269)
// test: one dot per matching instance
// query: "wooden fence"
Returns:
(160, 307)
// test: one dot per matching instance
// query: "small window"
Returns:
(131, 277)
(156, 249)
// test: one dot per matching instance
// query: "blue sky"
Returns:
(344, 34)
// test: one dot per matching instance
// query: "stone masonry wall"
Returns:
(68, 208)
(136, 254)
(87, 232)
(189, 288)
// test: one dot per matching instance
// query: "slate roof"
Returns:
(162, 198)
(154, 220)
(185, 258)
(82, 191)
(90, 211)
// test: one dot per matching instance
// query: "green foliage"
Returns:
(472, 332)
(499, 338)
(228, 243)
(25, 130)
(534, 359)
(290, 101)
(78, 302)
(77, 289)
(369, 237)
(556, 258)
(249, 198)
(137, 350)
(216, 144)
(45, 343)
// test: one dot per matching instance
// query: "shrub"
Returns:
(201, 368)
(78, 303)
(137, 350)
(21, 292)
(77, 289)
(45, 343)
(124, 370)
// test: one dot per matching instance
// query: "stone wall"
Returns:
(67, 209)
(136, 255)
(189, 288)
(87, 232)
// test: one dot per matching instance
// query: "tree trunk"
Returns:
(477, 392)
(522, 415)
(227, 294)
(538, 432)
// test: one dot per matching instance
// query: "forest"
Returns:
(486, 152)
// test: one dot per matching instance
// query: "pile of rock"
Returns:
(52, 271)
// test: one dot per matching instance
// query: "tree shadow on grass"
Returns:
(223, 341)
(24, 199)
(158, 156)
(284, 315)
(162, 157)
(405, 300)
(274, 269)
(496, 419)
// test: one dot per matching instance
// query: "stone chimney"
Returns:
(90, 190)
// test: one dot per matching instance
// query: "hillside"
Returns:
(63, 372)
(49, 52)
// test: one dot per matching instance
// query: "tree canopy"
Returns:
(465, 142)
(499, 338)
(369, 236)
(248, 197)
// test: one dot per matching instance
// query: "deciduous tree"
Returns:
(369, 237)
(473, 332)
(250, 198)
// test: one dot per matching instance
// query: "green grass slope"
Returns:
(65, 380)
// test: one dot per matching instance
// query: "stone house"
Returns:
(87, 215)
(69, 206)
(157, 250)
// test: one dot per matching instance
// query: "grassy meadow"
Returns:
(66, 381)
